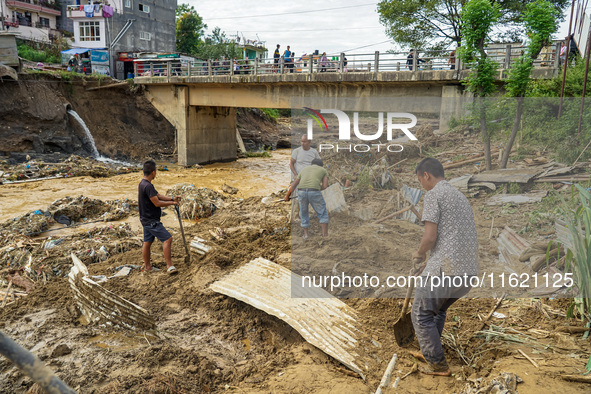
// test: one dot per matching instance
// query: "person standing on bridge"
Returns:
(149, 204)
(276, 57)
(287, 58)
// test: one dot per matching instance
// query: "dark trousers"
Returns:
(429, 310)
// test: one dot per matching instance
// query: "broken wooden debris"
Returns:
(99, 305)
(502, 199)
(385, 382)
(509, 175)
(323, 320)
(511, 244)
(198, 245)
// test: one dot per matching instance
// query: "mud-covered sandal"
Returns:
(172, 270)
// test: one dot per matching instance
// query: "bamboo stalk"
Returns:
(387, 374)
(393, 214)
(528, 358)
(6, 294)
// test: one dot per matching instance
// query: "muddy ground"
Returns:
(206, 342)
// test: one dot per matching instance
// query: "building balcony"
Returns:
(77, 11)
(29, 6)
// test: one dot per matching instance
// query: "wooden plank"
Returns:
(514, 175)
(502, 199)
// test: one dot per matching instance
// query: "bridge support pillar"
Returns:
(209, 135)
(204, 133)
(453, 105)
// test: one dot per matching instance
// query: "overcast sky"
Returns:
(303, 24)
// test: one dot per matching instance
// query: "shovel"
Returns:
(404, 331)
(178, 214)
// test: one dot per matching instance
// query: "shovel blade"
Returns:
(404, 332)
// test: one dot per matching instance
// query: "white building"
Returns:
(31, 19)
(92, 25)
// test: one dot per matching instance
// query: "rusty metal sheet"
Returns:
(516, 175)
(99, 305)
(511, 244)
(323, 320)
(501, 199)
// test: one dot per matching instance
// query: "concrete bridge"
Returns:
(201, 100)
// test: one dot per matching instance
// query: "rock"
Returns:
(61, 350)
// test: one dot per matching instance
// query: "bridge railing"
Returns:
(503, 55)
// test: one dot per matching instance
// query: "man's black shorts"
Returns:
(156, 230)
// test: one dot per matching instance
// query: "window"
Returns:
(90, 31)
(145, 8)
(145, 36)
(128, 3)
(44, 22)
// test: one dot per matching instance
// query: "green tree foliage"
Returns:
(189, 29)
(478, 17)
(217, 45)
(436, 24)
(540, 19)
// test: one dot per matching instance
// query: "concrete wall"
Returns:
(159, 22)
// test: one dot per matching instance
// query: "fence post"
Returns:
(376, 62)
(231, 67)
(281, 64)
(311, 64)
(209, 67)
(168, 71)
(256, 65)
(457, 62)
(415, 60)
(151, 70)
(397, 66)
(342, 62)
(134, 70)
(508, 56)
(557, 56)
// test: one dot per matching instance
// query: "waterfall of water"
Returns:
(75, 115)
(95, 152)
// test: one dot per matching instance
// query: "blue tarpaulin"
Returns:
(75, 51)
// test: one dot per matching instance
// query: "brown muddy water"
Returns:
(251, 176)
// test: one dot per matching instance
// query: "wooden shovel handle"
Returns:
(411, 286)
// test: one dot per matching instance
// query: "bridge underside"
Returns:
(202, 109)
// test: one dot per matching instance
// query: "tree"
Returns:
(477, 19)
(540, 20)
(217, 45)
(436, 24)
(189, 29)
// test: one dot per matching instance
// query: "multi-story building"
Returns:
(124, 28)
(31, 19)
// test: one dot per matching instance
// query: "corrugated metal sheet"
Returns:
(413, 196)
(323, 320)
(334, 198)
(510, 244)
(517, 175)
(98, 304)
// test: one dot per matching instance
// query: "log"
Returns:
(573, 330)
(6, 295)
(576, 378)
(541, 261)
(387, 374)
(393, 214)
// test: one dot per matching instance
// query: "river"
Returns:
(251, 176)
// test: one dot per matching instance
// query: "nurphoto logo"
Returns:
(392, 123)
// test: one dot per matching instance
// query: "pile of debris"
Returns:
(197, 203)
(69, 211)
(73, 166)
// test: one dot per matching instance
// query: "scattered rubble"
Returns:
(196, 203)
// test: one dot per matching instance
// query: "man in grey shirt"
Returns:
(450, 235)
(302, 157)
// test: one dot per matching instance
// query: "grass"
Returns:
(26, 52)
(578, 254)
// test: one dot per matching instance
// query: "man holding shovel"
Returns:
(450, 235)
(149, 203)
